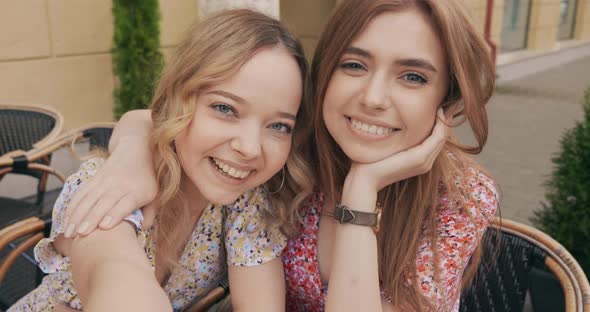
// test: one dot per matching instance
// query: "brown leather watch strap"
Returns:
(345, 215)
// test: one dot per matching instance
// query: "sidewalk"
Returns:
(527, 119)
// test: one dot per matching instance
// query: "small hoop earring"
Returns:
(282, 183)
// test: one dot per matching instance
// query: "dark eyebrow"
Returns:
(422, 63)
(230, 96)
(358, 51)
(242, 101)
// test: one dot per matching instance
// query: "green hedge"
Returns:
(137, 60)
(566, 216)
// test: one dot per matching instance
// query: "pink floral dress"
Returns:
(457, 236)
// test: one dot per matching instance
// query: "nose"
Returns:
(248, 143)
(375, 95)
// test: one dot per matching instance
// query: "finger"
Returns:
(79, 197)
(79, 212)
(97, 213)
(441, 129)
(123, 208)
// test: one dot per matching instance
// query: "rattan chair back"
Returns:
(511, 251)
(19, 273)
(24, 127)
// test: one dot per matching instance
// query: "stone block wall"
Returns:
(57, 53)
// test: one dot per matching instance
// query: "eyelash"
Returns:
(349, 65)
(285, 128)
(422, 79)
(219, 106)
(356, 66)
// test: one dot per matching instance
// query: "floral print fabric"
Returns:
(458, 232)
(234, 235)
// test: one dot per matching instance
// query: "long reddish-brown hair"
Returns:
(409, 205)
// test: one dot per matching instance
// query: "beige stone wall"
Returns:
(477, 10)
(306, 18)
(582, 28)
(56, 53)
(543, 24)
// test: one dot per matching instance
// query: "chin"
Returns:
(365, 155)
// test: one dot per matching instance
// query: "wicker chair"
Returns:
(18, 270)
(502, 284)
(513, 254)
(22, 128)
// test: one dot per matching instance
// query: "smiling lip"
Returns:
(230, 172)
(370, 130)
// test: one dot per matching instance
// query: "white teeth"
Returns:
(372, 129)
(233, 172)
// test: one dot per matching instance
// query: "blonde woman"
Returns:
(223, 116)
(400, 207)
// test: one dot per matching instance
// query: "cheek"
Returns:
(339, 92)
(419, 119)
(182, 146)
(276, 154)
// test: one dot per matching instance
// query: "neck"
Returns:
(196, 201)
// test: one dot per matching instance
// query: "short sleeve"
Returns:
(249, 239)
(51, 261)
(459, 230)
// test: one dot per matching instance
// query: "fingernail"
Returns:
(82, 228)
(106, 221)
(70, 231)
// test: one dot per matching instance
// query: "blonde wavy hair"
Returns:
(411, 204)
(213, 51)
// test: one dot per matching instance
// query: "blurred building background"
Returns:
(57, 52)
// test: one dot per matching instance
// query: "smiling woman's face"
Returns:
(383, 96)
(240, 134)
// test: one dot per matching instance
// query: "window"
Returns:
(567, 19)
(515, 24)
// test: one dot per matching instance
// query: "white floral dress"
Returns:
(233, 235)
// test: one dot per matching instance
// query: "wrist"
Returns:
(359, 195)
(346, 215)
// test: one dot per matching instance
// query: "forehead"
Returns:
(270, 78)
(408, 33)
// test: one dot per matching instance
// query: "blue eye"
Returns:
(281, 127)
(224, 109)
(414, 78)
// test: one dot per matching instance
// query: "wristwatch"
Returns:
(345, 215)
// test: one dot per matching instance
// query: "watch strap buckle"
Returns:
(347, 215)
